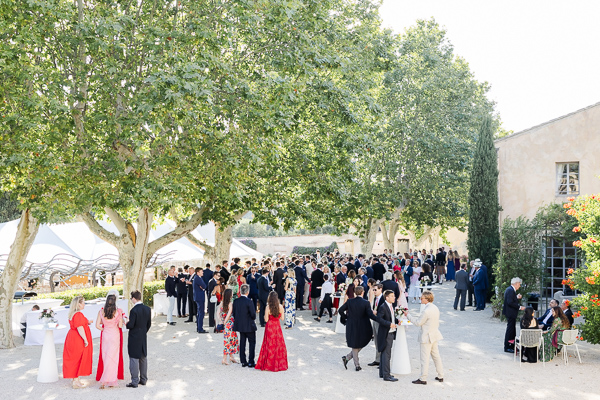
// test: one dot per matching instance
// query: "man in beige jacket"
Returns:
(429, 335)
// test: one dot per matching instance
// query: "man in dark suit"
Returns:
(279, 282)
(510, 310)
(316, 282)
(264, 288)
(341, 277)
(392, 285)
(480, 284)
(244, 315)
(236, 265)
(565, 305)
(189, 282)
(378, 270)
(377, 289)
(461, 286)
(385, 338)
(182, 294)
(471, 288)
(546, 320)
(224, 272)
(252, 280)
(212, 283)
(358, 313)
(302, 279)
(359, 262)
(171, 289)
(140, 320)
(200, 299)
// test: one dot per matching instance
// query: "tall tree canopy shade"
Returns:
(484, 235)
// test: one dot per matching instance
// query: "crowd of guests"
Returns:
(555, 320)
(78, 347)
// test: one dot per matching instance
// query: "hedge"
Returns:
(150, 288)
(311, 250)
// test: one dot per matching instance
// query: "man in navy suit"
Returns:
(263, 293)
(244, 314)
(302, 279)
(511, 309)
(200, 299)
(252, 279)
(359, 262)
(480, 283)
(385, 338)
(211, 306)
(545, 321)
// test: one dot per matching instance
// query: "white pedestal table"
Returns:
(339, 327)
(400, 357)
(48, 369)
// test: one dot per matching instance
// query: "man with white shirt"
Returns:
(377, 291)
(386, 334)
(429, 336)
(510, 309)
(545, 321)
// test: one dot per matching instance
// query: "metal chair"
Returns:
(569, 338)
(528, 338)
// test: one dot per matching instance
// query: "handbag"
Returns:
(219, 328)
(213, 298)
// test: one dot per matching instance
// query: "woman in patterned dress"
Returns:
(554, 334)
(230, 338)
(290, 299)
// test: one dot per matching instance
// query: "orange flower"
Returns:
(564, 281)
(590, 280)
(577, 314)
(572, 212)
(584, 308)
(567, 205)
(593, 240)
(570, 271)
(577, 229)
(571, 199)
(577, 243)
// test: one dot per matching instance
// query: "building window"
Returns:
(567, 178)
(560, 257)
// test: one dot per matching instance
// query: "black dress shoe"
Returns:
(509, 350)
(143, 383)
(330, 322)
(202, 331)
(131, 385)
(345, 361)
(390, 379)
(373, 364)
(262, 325)
(244, 364)
(358, 369)
(439, 379)
(251, 365)
(189, 320)
(318, 319)
(419, 382)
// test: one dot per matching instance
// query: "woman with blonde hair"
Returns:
(234, 286)
(78, 348)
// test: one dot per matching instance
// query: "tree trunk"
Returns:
(389, 234)
(369, 235)
(26, 233)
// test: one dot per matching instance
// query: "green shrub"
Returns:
(311, 250)
(150, 288)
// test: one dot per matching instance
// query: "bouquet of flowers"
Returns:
(425, 280)
(47, 314)
(400, 313)
(342, 288)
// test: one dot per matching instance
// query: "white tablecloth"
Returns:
(36, 337)
(19, 309)
(161, 304)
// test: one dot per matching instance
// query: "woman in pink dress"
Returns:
(110, 323)
(402, 302)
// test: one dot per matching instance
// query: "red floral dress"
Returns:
(273, 352)
(231, 343)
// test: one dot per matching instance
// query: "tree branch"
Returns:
(120, 223)
(182, 229)
(98, 230)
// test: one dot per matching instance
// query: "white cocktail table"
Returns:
(339, 327)
(48, 370)
(400, 358)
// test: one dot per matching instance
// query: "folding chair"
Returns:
(569, 338)
(528, 338)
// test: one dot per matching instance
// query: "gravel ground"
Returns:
(184, 364)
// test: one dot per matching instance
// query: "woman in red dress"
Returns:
(78, 348)
(273, 353)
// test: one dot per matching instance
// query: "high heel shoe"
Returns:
(224, 363)
(233, 360)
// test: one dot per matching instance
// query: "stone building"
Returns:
(548, 164)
